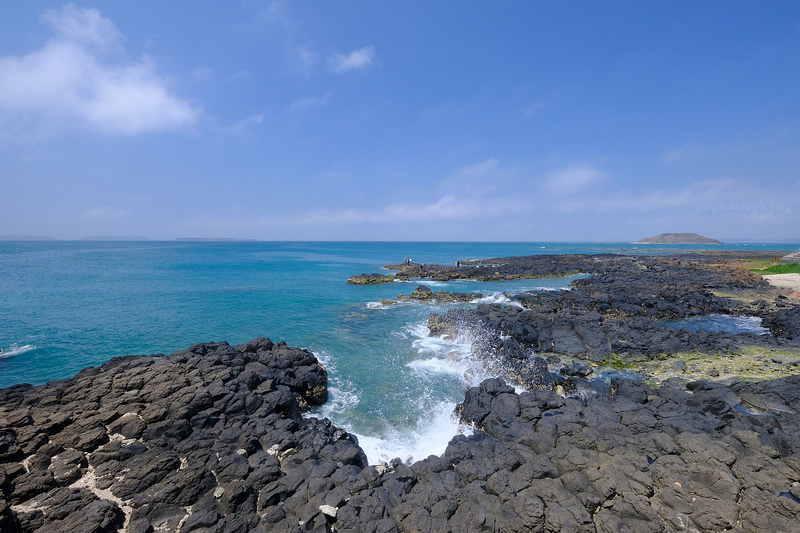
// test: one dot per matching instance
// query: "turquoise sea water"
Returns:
(68, 305)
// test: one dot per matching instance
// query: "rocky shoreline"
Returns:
(213, 438)
(615, 316)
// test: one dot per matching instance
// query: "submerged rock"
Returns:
(370, 279)
(426, 294)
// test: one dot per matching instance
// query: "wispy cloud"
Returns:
(202, 73)
(81, 76)
(683, 153)
(572, 179)
(106, 213)
(480, 179)
(451, 208)
(718, 197)
(534, 109)
(304, 56)
(241, 127)
(311, 101)
(239, 75)
(355, 60)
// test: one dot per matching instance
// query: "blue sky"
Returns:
(515, 121)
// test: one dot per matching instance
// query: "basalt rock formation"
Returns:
(615, 313)
(211, 439)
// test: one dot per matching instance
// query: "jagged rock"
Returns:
(192, 423)
(615, 313)
(213, 437)
(784, 322)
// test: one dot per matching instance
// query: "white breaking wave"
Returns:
(446, 356)
(435, 365)
(498, 298)
(430, 437)
(339, 401)
(16, 350)
(426, 282)
(341, 398)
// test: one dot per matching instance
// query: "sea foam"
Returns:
(16, 350)
(430, 437)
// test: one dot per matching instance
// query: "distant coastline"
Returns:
(214, 239)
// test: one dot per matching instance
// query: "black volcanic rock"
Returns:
(213, 438)
(615, 313)
(208, 428)
(206, 457)
(784, 322)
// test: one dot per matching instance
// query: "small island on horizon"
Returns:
(678, 238)
(214, 239)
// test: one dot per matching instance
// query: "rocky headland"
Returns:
(213, 438)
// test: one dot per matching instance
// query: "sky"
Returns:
(400, 120)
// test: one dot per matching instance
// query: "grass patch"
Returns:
(758, 264)
(614, 361)
(771, 266)
(789, 268)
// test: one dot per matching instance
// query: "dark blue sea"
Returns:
(68, 305)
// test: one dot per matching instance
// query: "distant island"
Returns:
(26, 238)
(213, 239)
(679, 238)
(109, 238)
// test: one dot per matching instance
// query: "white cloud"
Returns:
(482, 170)
(81, 76)
(447, 208)
(355, 60)
(304, 56)
(723, 197)
(240, 75)
(202, 73)
(83, 26)
(573, 179)
(534, 109)
(678, 155)
(241, 127)
(311, 101)
(480, 180)
(106, 213)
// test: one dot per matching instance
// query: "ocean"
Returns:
(68, 305)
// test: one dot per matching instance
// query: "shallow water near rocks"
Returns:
(719, 323)
(69, 305)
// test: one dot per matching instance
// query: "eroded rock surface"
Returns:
(426, 294)
(212, 439)
(614, 314)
